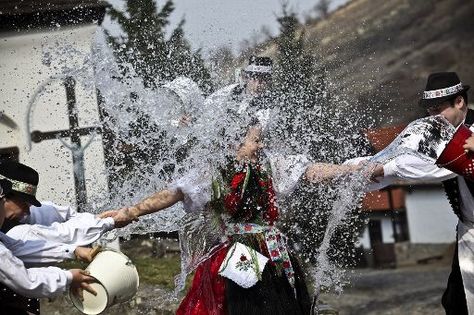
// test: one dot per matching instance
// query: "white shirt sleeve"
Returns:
(49, 213)
(38, 250)
(82, 229)
(408, 168)
(32, 282)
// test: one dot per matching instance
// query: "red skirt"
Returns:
(207, 293)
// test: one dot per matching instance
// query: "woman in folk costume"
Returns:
(249, 269)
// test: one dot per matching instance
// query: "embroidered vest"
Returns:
(451, 186)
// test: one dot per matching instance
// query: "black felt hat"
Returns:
(440, 87)
(24, 181)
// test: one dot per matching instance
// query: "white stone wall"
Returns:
(430, 218)
(24, 59)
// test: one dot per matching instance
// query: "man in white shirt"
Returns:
(33, 282)
(445, 95)
(43, 233)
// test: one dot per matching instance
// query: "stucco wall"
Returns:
(27, 60)
(429, 215)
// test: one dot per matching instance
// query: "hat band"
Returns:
(22, 187)
(255, 68)
(428, 95)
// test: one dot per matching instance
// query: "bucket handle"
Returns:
(452, 161)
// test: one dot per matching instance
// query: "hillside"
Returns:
(378, 53)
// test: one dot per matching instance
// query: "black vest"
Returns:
(451, 186)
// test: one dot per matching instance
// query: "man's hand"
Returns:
(86, 254)
(375, 171)
(469, 144)
(108, 214)
(80, 282)
(124, 217)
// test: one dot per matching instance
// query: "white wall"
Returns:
(387, 230)
(430, 217)
(23, 64)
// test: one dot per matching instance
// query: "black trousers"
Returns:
(454, 298)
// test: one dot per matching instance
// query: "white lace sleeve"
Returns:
(196, 188)
(286, 171)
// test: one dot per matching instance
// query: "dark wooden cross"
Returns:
(74, 133)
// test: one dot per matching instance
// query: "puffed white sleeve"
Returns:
(32, 282)
(286, 171)
(81, 229)
(196, 188)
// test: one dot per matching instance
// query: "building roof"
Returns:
(382, 137)
(379, 200)
(8, 7)
(32, 14)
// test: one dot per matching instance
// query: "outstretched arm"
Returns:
(318, 172)
(158, 201)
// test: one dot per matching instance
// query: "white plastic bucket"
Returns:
(117, 281)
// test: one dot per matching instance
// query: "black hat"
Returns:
(442, 86)
(24, 180)
(262, 65)
(5, 187)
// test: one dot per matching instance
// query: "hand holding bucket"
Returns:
(117, 281)
(455, 158)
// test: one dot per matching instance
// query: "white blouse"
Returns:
(196, 185)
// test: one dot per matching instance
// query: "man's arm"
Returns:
(405, 167)
(34, 251)
(39, 282)
(49, 213)
(82, 229)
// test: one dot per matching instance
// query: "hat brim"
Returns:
(436, 101)
(27, 198)
(6, 186)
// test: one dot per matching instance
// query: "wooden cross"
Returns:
(74, 133)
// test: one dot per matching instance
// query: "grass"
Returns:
(151, 270)
(158, 271)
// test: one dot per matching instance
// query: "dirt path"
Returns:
(405, 291)
(414, 290)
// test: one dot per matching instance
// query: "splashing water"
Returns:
(149, 147)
